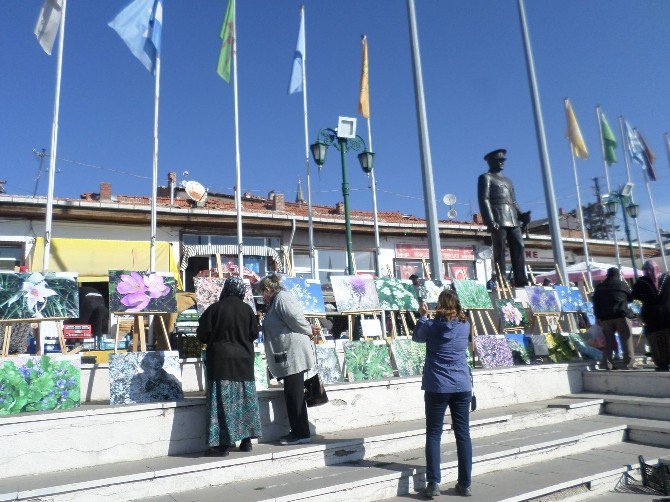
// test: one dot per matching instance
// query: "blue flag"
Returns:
(635, 148)
(139, 25)
(295, 85)
(649, 157)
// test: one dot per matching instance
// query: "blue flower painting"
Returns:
(542, 300)
(493, 351)
(570, 298)
(307, 292)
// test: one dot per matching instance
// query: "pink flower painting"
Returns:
(131, 291)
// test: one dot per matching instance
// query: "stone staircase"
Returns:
(574, 446)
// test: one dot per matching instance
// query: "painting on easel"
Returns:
(429, 291)
(395, 294)
(355, 293)
(542, 300)
(136, 292)
(570, 298)
(208, 290)
(512, 313)
(52, 295)
(307, 292)
(473, 295)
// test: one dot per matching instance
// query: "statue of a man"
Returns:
(501, 214)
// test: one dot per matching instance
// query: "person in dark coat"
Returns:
(446, 382)
(229, 328)
(610, 306)
(652, 290)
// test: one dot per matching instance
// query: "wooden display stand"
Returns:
(139, 338)
(7, 334)
(403, 315)
(351, 316)
(540, 319)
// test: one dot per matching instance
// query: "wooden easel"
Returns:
(485, 322)
(351, 316)
(7, 335)
(545, 318)
(139, 338)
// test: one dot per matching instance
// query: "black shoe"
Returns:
(431, 490)
(217, 452)
(463, 491)
(291, 439)
(245, 445)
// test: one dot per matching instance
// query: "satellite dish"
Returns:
(451, 214)
(194, 190)
(485, 253)
(449, 199)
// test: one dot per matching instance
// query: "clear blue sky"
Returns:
(608, 52)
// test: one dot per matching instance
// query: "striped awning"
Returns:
(189, 250)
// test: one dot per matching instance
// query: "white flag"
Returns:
(48, 24)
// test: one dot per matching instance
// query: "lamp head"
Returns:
(610, 207)
(318, 150)
(633, 210)
(367, 160)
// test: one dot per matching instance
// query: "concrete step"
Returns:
(654, 408)
(326, 468)
(647, 383)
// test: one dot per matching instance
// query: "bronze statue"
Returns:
(501, 214)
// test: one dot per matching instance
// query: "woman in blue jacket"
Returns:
(446, 382)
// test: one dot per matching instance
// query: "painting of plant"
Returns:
(144, 377)
(131, 291)
(473, 295)
(560, 348)
(521, 347)
(512, 313)
(584, 349)
(409, 357)
(307, 292)
(429, 291)
(468, 355)
(367, 361)
(260, 371)
(39, 383)
(493, 351)
(355, 293)
(327, 364)
(570, 298)
(207, 291)
(52, 295)
(395, 294)
(542, 299)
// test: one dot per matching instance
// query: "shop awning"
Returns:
(93, 258)
(189, 250)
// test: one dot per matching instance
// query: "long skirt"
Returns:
(233, 412)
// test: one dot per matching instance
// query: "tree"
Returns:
(596, 222)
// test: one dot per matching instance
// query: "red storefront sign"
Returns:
(420, 251)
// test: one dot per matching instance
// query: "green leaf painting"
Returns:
(560, 348)
(327, 364)
(512, 313)
(52, 295)
(395, 294)
(39, 383)
(473, 295)
(260, 371)
(367, 361)
(409, 356)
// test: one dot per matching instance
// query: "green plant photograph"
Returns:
(560, 348)
(409, 356)
(396, 295)
(53, 295)
(367, 361)
(473, 295)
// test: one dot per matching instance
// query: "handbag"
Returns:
(473, 399)
(315, 392)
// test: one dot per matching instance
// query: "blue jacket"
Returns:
(446, 369)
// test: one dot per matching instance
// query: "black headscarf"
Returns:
(234, 286)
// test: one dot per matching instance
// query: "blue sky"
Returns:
(608, 52)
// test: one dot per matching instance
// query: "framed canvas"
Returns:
(560, 348)
(372, 328)
(327, 364)
(307, 292)
(570, 298)
(133, 291)
(473, 295)
(367, 361)
(144, 377)
(430, 291)
(521, 347)
(409, 356)
(493, 351)
(52, 295)
(260, 371)
(395, 294)
(39, 383)
(512, 313)
(355, 293)
(542, 300)
(208, 290)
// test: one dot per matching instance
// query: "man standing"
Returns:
(610, 306)
(501, 213)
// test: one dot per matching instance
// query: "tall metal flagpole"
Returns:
(238, 181)
(154, 173)
(580, 213)
(437, 268)
(653, 213)
(310, 214)
(552, 213)
(609, 185)
(626, 152)
(54, 145)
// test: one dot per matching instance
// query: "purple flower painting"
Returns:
(542, 300)
(131, 291)
(493, 351)
(355, 293)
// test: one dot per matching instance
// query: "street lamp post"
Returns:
(628, 208)
(326, 138)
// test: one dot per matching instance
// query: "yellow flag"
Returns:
(364, 98)
(574, 134)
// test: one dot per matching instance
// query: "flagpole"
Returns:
(580, 213)
(609, 184)
(552, 213)
(238, 181)
(54, 145)
(154, 171)
(653, 213)
(310, 214)
(630, 180)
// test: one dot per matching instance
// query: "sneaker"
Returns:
(463, 491)
(291, 440)
(245, 445)
(431, 490)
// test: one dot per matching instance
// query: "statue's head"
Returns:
(496, 160)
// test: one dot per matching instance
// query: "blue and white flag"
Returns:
(48, 24)
(635, 148)
(139, 25)
(295, 85)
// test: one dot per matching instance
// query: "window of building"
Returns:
(405, 268)
(332, 262)
(11, 255)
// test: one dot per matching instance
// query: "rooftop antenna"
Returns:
(40, 154)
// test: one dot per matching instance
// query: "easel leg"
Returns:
(5, 340)
(61, 338)
(394, 326)
(490, 321)
(165, 333)
(117, 333)
(142, 333)
(350, 321)
(403, 319)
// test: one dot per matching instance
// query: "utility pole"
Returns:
(41, 154)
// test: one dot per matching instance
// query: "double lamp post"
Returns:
(344, 139)
(628, 208)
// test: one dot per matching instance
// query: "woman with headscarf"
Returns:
(228, 328)
(652, 290)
